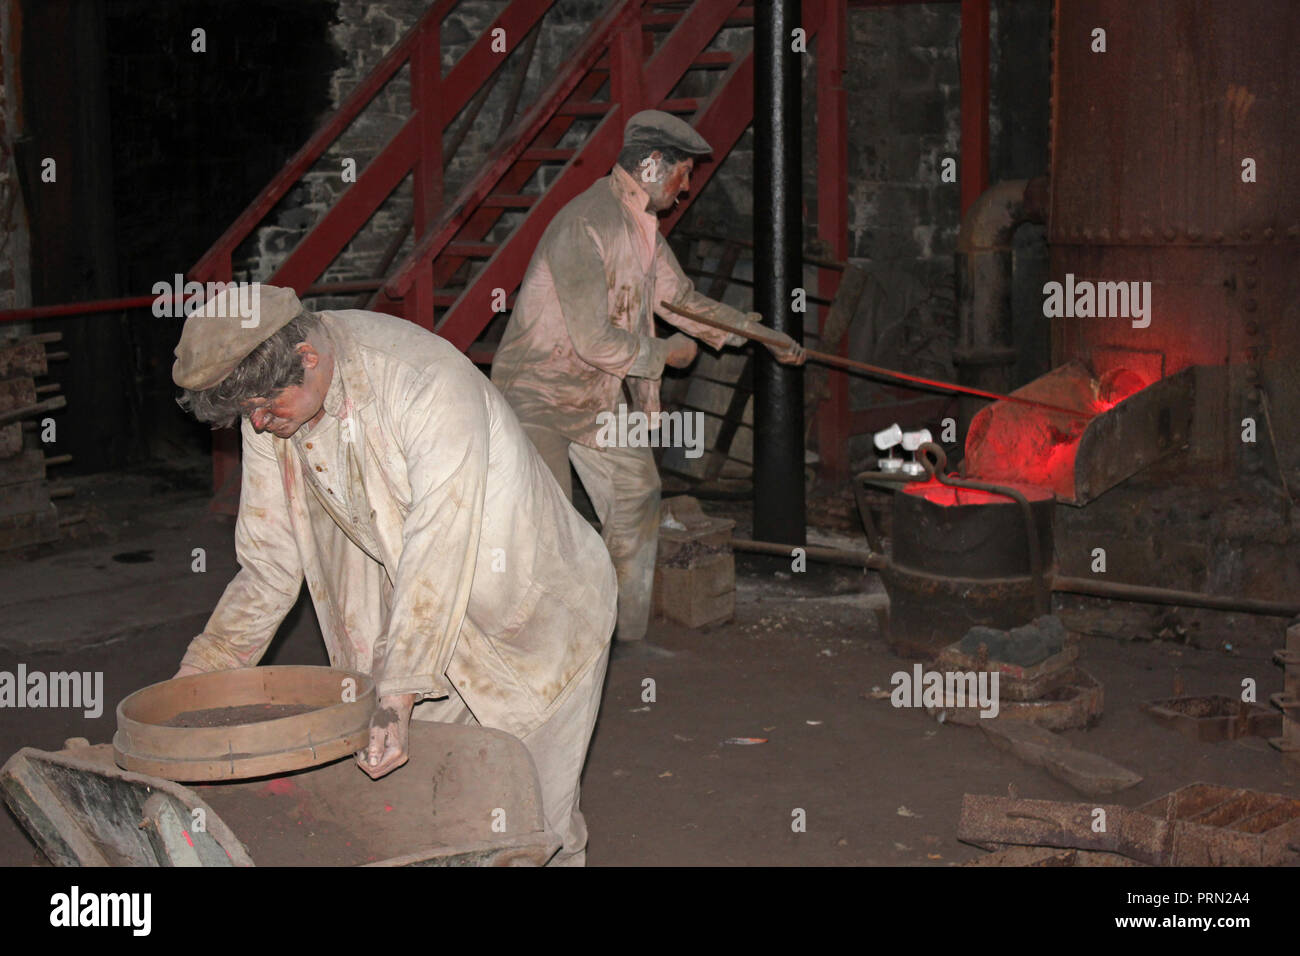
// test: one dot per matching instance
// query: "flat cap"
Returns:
(225, 329)
(655, 128)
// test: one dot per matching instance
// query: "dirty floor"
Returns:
(796, 669)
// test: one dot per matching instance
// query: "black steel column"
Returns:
(778, 244)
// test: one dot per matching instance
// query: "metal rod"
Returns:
(840, 362)
(1148, 595)
(860, 559)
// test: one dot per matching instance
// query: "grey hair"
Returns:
(274, 365)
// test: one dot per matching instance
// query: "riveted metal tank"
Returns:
(1150, 141)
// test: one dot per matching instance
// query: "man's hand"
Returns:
(681, 350)
(787, 351)
(389, 732)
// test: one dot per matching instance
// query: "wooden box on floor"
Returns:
(695, 572)
(1289, 700)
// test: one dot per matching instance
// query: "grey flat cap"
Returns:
(221, 334)
(655, 128)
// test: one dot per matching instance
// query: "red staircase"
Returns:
(633, 58)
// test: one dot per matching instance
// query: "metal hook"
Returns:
(933, 459)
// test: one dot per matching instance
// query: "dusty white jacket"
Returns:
(485, 578)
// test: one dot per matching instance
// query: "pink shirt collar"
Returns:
(630, 192)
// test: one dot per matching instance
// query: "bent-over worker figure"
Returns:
(441, 558)
(583, 327)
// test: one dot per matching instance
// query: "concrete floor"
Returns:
(878, 785)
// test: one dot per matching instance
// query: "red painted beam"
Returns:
(87, 307)
(350, 211)
(688, 40)
(427, 103)
(974, 100)
(627, 77)
(480, 61)
(208, 267)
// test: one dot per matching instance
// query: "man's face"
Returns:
(288, 409)
(676, 181)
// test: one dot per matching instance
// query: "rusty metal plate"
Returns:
(211, 726)
(1197, 825)
(1148, 137)
(1223, 826)
(1144, 428)
(1214, 717)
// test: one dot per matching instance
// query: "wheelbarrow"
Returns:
(469, 796)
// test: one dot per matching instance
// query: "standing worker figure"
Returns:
(442, 560)
(583, 327)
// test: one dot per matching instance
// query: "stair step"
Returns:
(548, 155)
(446, 298)
(661, 22)
(509, 202)
(686, 105)
(590, 108)
(472, 250)
(713, 59)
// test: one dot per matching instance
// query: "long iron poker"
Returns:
(839, 361)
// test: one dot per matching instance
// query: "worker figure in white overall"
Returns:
(381, 466)
(583, 327)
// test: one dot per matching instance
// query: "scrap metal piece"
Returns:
(1089, 773)
(1080, 460)
(469, 796)
(1197, 825)
(1214, 717)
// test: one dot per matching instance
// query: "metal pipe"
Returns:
(853, 365)
(985, 351)
(779, 510)
(1148, 595)
(860, 559)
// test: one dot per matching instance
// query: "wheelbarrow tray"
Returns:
(468, 797)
